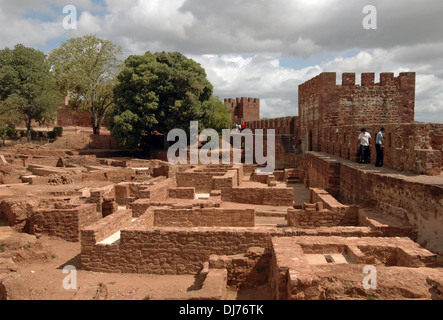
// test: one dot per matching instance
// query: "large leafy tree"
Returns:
(160, 92)
(86, 70)
(27, 88)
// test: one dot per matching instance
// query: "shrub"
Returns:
(12, 133)
(34, 134)
(58, 131)
(52, 135)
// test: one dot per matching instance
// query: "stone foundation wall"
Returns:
(309, 219)
(64, 223)
(260, 196)
(323, 211)
(182, 193)
(415, 199)
(167, 250)
(293, 278)
(201, 181)
(209, 217)
(102, 142)
(229, 180)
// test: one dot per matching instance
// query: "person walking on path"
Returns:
(379, 146)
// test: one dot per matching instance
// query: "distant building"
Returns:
(67, 117)
(244, 109)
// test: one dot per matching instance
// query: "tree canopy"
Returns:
(160, 92)
(86, 70)
(27, 87)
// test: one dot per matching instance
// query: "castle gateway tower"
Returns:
(323, 104)
(244, 109)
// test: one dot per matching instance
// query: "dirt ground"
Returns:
(41, 269)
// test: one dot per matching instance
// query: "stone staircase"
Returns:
(293, 176)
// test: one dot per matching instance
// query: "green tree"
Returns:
(219, 116)
(27, 88)
(160, 92)
(86, 70)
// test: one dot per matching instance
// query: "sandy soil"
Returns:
(43, 277)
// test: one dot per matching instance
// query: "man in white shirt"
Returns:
(364, 140)
(379, 147)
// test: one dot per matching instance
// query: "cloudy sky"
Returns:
(256, 48)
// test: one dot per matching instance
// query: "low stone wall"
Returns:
(182, 193)
(310, 219)
(158, 192)
(157, 188)
(323, 211)
(209, 217)
(105, 228)
(167, 250)
(229, 180)
(201, 181)
(63, 222)
(98, 194)
(293, 278)
(415, 199)
(260, 196)
(16, 212)
(102, 142)
(245, 271)
(283, 266)
(116, 176)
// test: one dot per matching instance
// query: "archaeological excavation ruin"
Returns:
(138, 228)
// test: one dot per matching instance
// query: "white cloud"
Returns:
(241, 43)
(259, 76)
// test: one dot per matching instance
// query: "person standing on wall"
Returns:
(364, 140)
(379, 146)
(295, 144)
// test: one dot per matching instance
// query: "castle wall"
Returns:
(244, 109)
(414, 199)
(323, 103)
(331, 117)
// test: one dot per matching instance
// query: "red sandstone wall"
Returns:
(102, 142)
(414, 148)
(167, 250)
(67, 117)
(286, 130)
(322, 103)
(182, 193)
(209, 217)
(201, 181)
(260, 196)
(413, 199)
(63, 223)
(229, 180)
(244, 109)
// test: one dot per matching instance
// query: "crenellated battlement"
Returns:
(328, 79)
(323, 102)
(244, 109)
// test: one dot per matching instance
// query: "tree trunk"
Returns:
(95, 125)
(28, 130)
